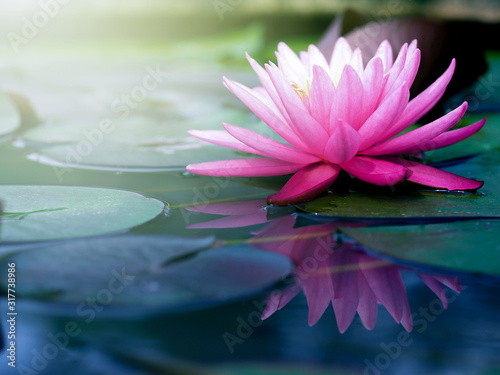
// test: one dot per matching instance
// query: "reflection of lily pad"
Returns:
(467, 246)
(141, 271)
(9, 116)
(421, 205)
(35, 213)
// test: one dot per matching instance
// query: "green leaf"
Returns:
(467, 246)
(37, 213)
(153, 137)
(421, 205)
(145, 271)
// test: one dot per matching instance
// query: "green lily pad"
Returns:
(10, 119)
(138, 158)
(467, 246)
(420, 205)
(38, 213)
(145, 271)
(153, 138)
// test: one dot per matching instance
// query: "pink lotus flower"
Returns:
(339, 115)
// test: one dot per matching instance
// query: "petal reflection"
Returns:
(329, 267)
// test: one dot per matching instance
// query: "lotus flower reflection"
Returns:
(339, 115)
(345, 277)
(327, 271)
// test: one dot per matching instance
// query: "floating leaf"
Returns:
(421, 205)
(154, 137)
(141, 271)
(36, 213)
(467, 246)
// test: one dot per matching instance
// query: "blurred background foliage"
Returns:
(145, 23)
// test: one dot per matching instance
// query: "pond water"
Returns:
(115, 260)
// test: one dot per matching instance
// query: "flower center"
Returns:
(302, 91)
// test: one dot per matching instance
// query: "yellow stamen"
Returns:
(303, 92)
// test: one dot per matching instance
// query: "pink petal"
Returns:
(451, 282)
(267, 84)
(412, 47)
(357, 61)
(345, 307)
(317, 238)
(341, 55)
(322, 92)
(386, 283)
(373, 82)
(396, 70)
(368, 305)
(348, 100)
(343, 144)
(316, 58)
(278, 300)
(264, 112)
(247, 207)
(406, 318)
(422, 103)
(222, 138)
(233, 221)
(290, 64)
(375, 171)
(262, 94)
(430, 176)
(258, 167)
(448, 138)
(302, 123)
(270, 147)
(410, 70)
(436, 287)
(277, 236)
(318, 292)
(305, 60)
(409, 141)
(384, 51)
(284, 88)
(385, 115)
(344, 263)
(306, 184)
